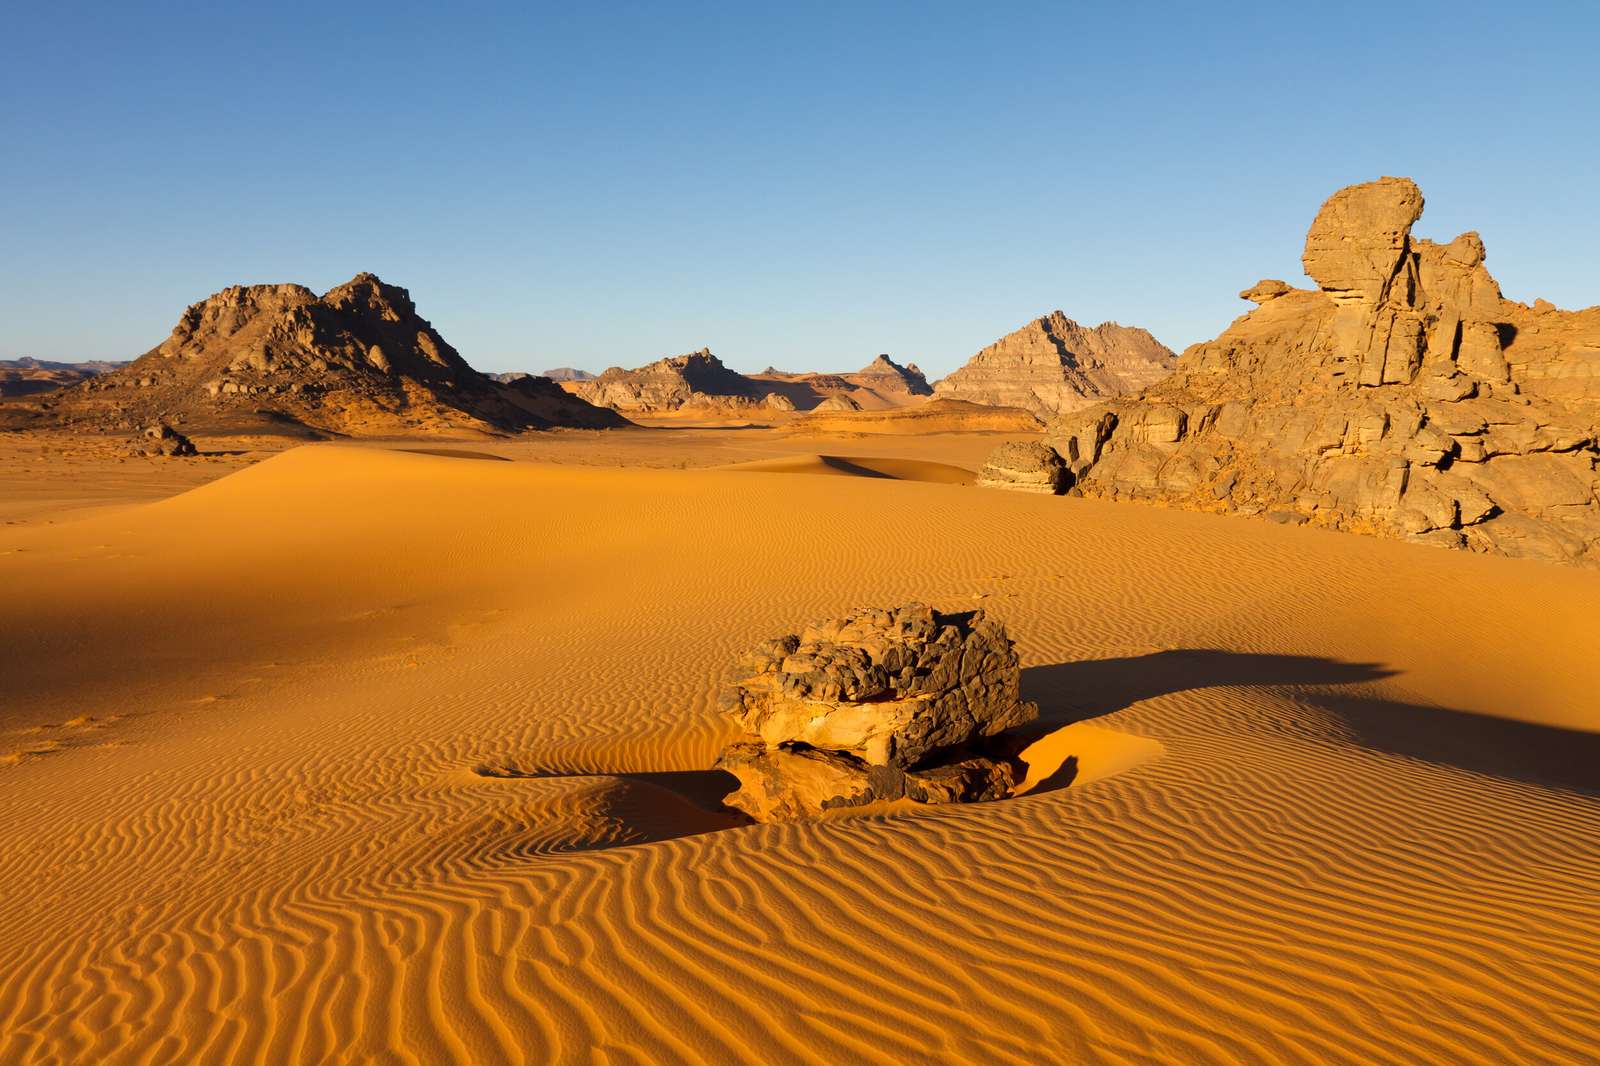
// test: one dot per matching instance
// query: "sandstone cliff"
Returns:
(356, 360)
(1053, 364)
(1404, 396)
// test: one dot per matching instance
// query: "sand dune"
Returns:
(360, 755)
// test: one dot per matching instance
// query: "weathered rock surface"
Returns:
(357, 360)
(880, 704)
(1053, 365)
(162, 439)
(1404, 397)
(1026, 466)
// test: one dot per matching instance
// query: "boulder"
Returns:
(162, 439)
(880, 704)
(1026, 466)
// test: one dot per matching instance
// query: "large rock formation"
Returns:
(1053, 364)
(357, 359)
(1025, 466)
(878, 705)
(1404, 396)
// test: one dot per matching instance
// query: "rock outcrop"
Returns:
(1025, 466)
(877, 705)
(1404, 396)
(356, 360)
(162, 439)
(1053, 365)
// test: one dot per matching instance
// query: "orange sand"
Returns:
(360, 755)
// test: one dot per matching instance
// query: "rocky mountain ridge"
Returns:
(356, 360)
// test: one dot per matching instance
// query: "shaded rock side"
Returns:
(1025, 466)
(888, 378)
(787, 783)
(1404, 396)
(830, 712)
(1053, 365)
(356, 360)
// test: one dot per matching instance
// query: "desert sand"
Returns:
(400, 754)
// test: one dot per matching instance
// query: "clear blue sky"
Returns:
(797, 184)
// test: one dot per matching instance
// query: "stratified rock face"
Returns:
(1403, 397)
(697, 379)
(1053, 364)
(885, 376)
(881, 704)
(358, 359)
(1026, 466)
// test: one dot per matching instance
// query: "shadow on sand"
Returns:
(1527, 752)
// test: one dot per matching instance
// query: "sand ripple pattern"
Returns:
(316, 873)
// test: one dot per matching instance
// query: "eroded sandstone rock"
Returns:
(1403, 397)
(878, 705)
(1025, 466)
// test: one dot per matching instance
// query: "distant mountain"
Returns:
(568, 373)
(356, 360)
(700, 382)
(1053, 365)
(884, 375)
(29, 377)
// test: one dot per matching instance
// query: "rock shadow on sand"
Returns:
(1527, 752)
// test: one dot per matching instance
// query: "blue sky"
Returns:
(803, 185)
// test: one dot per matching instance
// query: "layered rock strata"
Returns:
(1053, 364)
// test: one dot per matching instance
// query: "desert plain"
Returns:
(401, 751)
